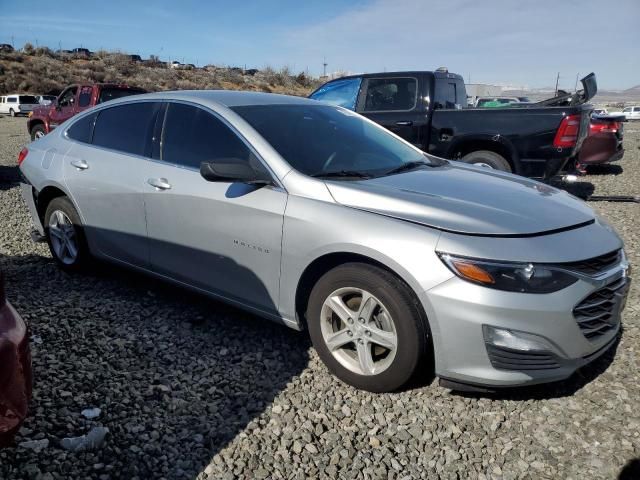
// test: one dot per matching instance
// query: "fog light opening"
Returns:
(503, 338)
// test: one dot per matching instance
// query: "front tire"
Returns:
(65, 235)
(37, 132)
(488, 159)
(368, 327)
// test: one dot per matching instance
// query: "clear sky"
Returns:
(517, 42)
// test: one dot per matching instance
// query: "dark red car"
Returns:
(15, 369)
(73, 100)
(604, 142)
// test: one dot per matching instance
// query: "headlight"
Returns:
(511, 277)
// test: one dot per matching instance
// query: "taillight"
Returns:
(611, 127)
(567, 134)
(22, 155)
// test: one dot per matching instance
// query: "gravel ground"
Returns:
(191, 388)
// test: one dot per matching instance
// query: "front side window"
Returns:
(68, 97)
(320, 139)
(343, 93)
(627, 110)
(192, 135)
(82, 130)
(127, 128)
(391, 94)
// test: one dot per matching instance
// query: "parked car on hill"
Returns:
(6, 48)
(17, 104)
(15, 369)
(630, 113)
(313, 216)
(73, 100)
(427, 109)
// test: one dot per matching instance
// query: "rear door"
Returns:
(105, 171)
(394, 102)
(222, 237)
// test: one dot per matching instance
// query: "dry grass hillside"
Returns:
(42, 71)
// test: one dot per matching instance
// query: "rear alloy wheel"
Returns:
(65, 235)
(487, 159)
(367, 327)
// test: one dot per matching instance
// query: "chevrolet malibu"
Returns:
(396, 262)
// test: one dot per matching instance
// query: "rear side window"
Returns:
(449, 94)
(111, 93)
(28, 99)
(84, 99)
(126, 128)
(342, 93)
(11, 100)
(391, 94)
(82, 130)
(192, 136)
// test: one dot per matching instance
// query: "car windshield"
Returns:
(27, 99)
(322, 140)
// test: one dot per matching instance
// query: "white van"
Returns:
(17, 104)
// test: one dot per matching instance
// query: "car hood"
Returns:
(465, 199)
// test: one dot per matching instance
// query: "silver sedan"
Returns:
(396, 262)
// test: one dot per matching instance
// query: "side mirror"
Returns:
(232, 170)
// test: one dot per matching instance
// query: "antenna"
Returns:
(324, 66)
(575, 87)
(557, 80)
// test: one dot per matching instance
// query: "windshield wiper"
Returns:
(409, 166)
(341, 173)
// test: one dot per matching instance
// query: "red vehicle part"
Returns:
(604, 142)
(15, 370)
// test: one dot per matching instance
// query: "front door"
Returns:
(394, 103)
(221, 237)
(64, 108)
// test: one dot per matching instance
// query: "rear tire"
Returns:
(378, 346)
(65, 235)
(486, 158)
(37, 132)
(12, 112)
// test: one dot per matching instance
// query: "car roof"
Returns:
(228, 98)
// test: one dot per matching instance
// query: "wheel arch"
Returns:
(48, 193)
(33, 122)
(327, 261)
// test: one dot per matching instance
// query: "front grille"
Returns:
(599, 313)
(508, 359)
(595, 265)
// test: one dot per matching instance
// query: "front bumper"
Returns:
(15, 373)
(458, 310)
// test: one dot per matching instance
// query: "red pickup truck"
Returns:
(74, 99)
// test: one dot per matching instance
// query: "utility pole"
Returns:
(557, 80)
(12, 44)
(575, 87)
(324, 66)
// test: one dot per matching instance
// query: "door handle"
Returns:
(404, 123)
(159, 183)
(80, 164)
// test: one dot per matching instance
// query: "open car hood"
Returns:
(466, 199)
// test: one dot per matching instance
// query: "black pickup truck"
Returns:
(429, 110)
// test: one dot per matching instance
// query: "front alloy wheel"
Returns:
(368, 327)
(358, 331)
